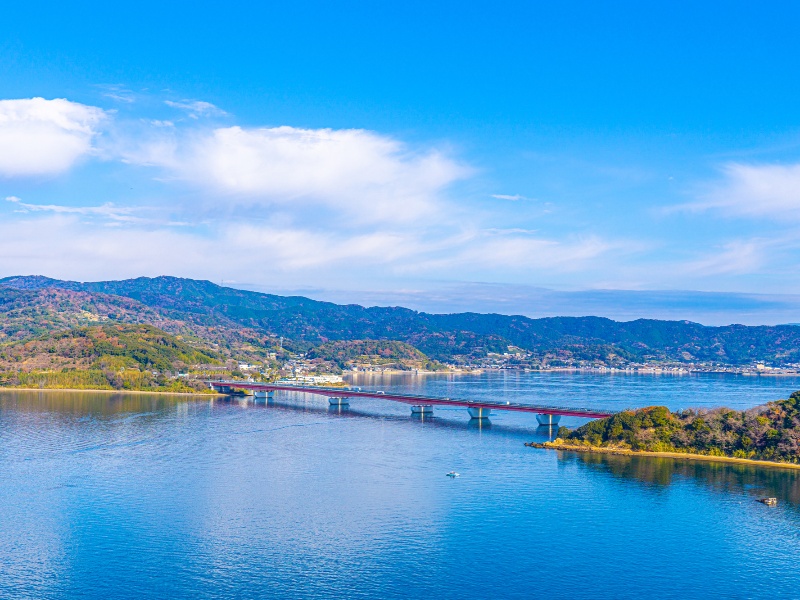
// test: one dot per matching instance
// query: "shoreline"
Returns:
(572, 370)
(678, 455)
(409, 372)
(96, 391)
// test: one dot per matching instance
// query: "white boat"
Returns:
(453, 474)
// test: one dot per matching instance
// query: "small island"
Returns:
(767, 434)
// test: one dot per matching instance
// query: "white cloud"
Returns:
(78, 249)
(361, 173)
(771, 191)
(65, 245)
(305, 204)
(351, 175)
(196, 108)
(294, 248)
(45, 137)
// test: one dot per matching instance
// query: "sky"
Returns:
(623, 159)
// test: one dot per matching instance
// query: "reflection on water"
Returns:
(89, 403)
(546, 432)
(727, 478)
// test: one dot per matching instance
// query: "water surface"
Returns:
(130, 496)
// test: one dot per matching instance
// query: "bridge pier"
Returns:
(422, 410)
(269, 396)
(548, 419)
(477, 412)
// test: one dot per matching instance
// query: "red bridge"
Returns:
(420, 405)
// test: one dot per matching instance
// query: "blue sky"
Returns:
(626, 159)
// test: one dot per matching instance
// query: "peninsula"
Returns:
(767, 434)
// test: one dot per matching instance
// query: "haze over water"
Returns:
(125, 496)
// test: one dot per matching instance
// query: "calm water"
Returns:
(123, 496)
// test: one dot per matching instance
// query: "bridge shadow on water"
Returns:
(658, 474)
(447, 419)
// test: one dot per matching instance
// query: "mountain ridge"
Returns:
(456, 337)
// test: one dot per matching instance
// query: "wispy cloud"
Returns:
(107, 210)
(196, 108)
(117, 92)
(523, 252)
(736, 257)
(77, 247)
(512, 198)
(768, 191)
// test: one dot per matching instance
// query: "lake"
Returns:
(109, 495)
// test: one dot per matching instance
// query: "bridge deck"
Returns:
(413, 399)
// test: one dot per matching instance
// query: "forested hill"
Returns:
(768, 432)
(106, 347)
(453, 337)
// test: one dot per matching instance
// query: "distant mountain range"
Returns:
(250, 322)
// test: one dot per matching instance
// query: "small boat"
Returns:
(769, 501)
(453, 474)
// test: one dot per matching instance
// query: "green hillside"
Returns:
(119, 356)
(107, 346)
(345, 353)
(28, 312)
